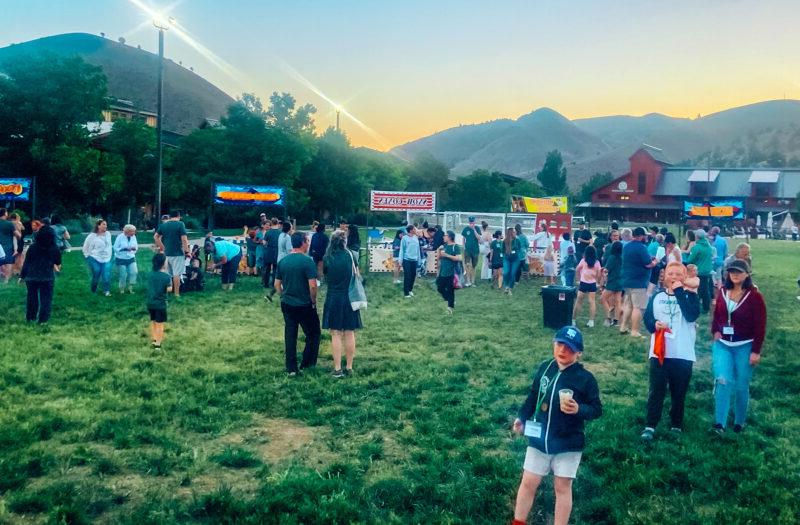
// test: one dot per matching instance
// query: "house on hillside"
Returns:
(653, 190)
(119, 109)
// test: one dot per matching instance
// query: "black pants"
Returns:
(268, 275)
(305, 317)
(230, 270)
(706, 291)
(445, 286)
(40, 300)
(676, 373)
(409, 275)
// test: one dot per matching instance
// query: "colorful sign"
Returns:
(15, 189)
(522, 204)
(238, 195)
(719, 209)
(402, 201)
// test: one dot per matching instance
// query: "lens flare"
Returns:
(186, 37)
(292, 72)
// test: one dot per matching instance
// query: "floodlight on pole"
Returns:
(338, 109)
(162, 24)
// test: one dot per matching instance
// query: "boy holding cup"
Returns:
(554, 426)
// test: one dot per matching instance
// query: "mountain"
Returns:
(133, 75)
(765, 133)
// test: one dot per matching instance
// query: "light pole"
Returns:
(338, 110)
(162, 25)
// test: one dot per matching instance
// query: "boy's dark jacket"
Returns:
(561, 432)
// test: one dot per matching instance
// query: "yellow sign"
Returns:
(522, 204)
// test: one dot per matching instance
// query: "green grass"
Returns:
(97, 427)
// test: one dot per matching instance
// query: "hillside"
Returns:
(766, 133)
(133, 74)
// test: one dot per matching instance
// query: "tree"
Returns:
(553, 176)
(426, 173)
(480, 191)
(597, 180)
(135, 143)
(45, 102)
(282, 114)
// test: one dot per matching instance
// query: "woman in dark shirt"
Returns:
(38, 273)
(338, 316)
(354, 241)
(319, 245)
(612, 293)
(449, 257)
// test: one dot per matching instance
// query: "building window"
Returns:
(762, 190)
(700, 188)
(642, 183)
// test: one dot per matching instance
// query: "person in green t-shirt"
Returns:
(472, 249)
(296, 283)
(449, 257)
(159, 284)
(497, 255)
(171, 239)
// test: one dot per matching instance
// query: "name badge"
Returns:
(727, 330)
(533, 429)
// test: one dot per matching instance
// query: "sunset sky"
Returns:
(409, 68)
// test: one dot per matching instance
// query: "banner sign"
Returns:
(522, 204)
(402, 201)
(717, 209)
(15, 189)
(238, 195)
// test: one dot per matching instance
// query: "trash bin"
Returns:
(557, 304)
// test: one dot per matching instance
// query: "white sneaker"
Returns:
(607, 323)
(411, 294)
(590, 324)
(407, 296)
(574, 322)
(397, 281)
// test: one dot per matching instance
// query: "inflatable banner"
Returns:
(15, 189)
(248, 195)
(522, 204)
(718, 209)
(402, 201)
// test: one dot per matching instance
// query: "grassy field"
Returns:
(97, 427)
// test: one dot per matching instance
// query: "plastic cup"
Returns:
(564, 395)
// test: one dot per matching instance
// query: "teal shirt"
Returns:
(294, 271)
(471, 242)
(171, 233)
(652, 248)
(157, 284)
(226, 249)
(447, 266)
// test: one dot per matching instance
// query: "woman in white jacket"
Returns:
(97, 249)
(125, 247)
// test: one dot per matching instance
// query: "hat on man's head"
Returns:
(570, 336)
(738, 265)
(639, 231)
(471, 219)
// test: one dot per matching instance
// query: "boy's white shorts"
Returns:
(563, 465)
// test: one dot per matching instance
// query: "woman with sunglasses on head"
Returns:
(739, 325)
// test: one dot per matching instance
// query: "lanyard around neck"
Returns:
(542, 391)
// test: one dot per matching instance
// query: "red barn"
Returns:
(653, 190)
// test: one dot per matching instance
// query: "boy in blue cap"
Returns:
(562, 397)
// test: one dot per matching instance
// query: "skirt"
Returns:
(338, 314)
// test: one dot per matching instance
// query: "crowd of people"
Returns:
(639, 275)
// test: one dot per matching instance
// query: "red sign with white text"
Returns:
(402, 201)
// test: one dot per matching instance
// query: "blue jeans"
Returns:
(568, 278)
(100, 271)
(732, 374)
(127, 274)
(509, 272)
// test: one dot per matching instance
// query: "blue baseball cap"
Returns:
(471, 219)
(570, 336)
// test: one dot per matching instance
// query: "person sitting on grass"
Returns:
(159, 284)
(670, 318)
(563, 396)
(194, 282)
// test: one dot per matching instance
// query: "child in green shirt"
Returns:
(159, 284)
